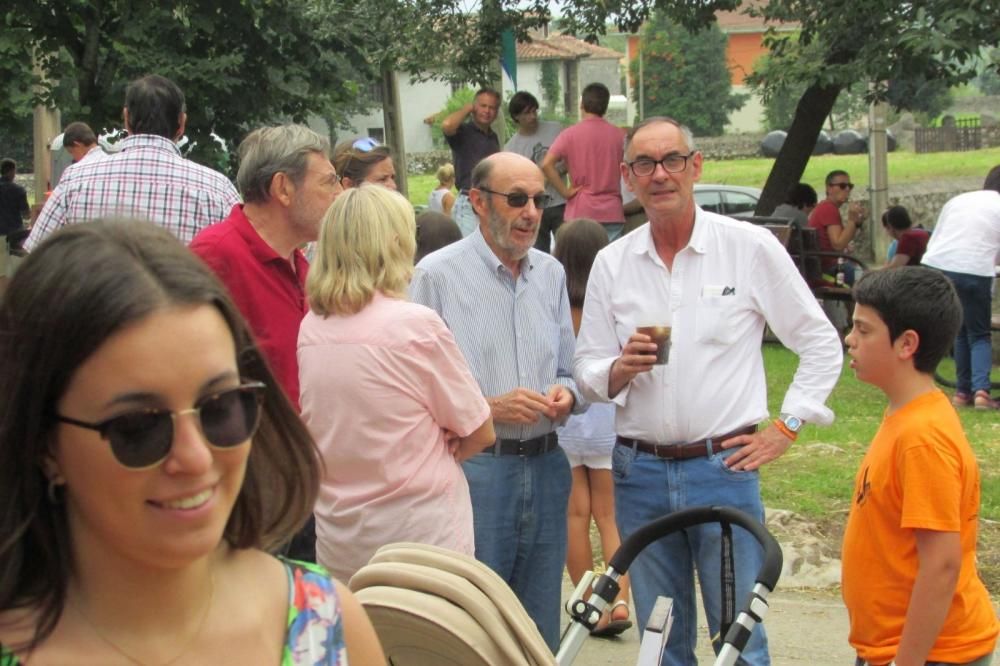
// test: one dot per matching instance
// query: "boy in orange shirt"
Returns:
(909, 576)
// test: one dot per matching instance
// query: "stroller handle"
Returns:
(769, 572)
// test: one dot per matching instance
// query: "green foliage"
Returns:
(458, 99)
(685, 75)
(988, 80)
(551, 91)
(240, 63)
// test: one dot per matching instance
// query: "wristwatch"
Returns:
(792, 422)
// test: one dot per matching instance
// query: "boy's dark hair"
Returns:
(898, 218)
(521, 102)
(7, 168)
(801, 195)
(595, 98)
(993, 179)
(434, 231)
(155, 105)
(914, 298)
(79, 133)
(577, 244)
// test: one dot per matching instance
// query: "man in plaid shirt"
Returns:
(147, 179)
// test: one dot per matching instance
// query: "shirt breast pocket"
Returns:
(717, 318)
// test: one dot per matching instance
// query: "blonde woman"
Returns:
(386, 392)
(442, 198)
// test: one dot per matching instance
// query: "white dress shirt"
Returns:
(729, 280)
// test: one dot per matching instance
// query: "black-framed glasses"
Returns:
(672, 163)
(843, 186)
(143, 438)
(520, 199)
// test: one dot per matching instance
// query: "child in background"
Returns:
(909, 557)
(588, 438)
(442, 198)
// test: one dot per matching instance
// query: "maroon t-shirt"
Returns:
(268, 292)
(913, 243)
(825, 215)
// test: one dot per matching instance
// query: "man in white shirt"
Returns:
(687, 430)
(965, 246)
(533, 139)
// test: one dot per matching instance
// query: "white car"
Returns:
(732, 200)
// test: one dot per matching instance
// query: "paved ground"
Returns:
(804, 627)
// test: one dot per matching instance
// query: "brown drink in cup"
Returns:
(661, 336)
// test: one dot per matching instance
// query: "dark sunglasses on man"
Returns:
(520, 199)
(843, 186)
(143, 438)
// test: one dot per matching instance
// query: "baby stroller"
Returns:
(431, 606)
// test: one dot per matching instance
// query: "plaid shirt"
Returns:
(148, 179)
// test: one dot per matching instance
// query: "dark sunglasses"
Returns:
(520, 199)
(143, 438)
(843, 186)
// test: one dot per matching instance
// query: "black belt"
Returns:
(535, 446)
(684, 451)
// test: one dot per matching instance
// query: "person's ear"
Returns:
(181, 125)
(478, 200)
(907, 344)
(282, 189)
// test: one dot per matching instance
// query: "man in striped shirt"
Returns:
(506, 304)
(147, 179)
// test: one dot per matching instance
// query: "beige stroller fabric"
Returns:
(434, 607)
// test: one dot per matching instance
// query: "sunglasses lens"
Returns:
(365, 145)
(140, 439)
(517, 200)
(541, 200)
(230, 418)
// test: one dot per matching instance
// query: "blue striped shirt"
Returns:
(513, 333)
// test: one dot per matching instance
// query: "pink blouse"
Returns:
(378, 390)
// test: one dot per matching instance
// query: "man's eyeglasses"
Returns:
(672, 163)
(520, 199)
(143, 438)
(843, 186)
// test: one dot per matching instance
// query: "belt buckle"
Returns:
(522, 448)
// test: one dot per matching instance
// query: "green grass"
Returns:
(904, 167)
(816, 476)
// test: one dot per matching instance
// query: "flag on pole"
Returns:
(508, 56)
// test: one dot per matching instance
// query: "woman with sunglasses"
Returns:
(385, 391)
(364, 161)
(147, 460)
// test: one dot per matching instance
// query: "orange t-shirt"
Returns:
(918, 473)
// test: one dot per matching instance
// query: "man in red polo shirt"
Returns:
(287, 183)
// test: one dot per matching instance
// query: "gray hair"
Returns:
(686, 132)
(271, 150)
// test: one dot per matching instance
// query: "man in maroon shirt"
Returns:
(833, 233)
(287, 183)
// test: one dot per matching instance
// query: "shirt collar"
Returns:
(261, 251)
(150, 141)
(698, 241)
(491, 260)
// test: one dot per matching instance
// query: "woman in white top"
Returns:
(443, 198)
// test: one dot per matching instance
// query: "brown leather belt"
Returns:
(535, 446)
(700, 449)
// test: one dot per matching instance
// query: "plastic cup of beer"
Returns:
(661, 336)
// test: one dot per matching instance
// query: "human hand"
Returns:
(757, 449)
(452, 441)
(520, 406)
(562, 402)
(856, 213)
(572, 191)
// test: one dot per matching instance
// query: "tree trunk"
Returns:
(810, 114)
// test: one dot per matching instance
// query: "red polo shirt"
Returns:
(264, 287)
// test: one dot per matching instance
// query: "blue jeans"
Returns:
(519, 516)
(647, 487)
(464, 215)
(973, 347)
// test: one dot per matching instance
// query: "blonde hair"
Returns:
(366, 244)
(446, 174)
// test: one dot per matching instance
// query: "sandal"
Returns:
(613, 627)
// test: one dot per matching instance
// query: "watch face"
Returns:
(794, 423)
